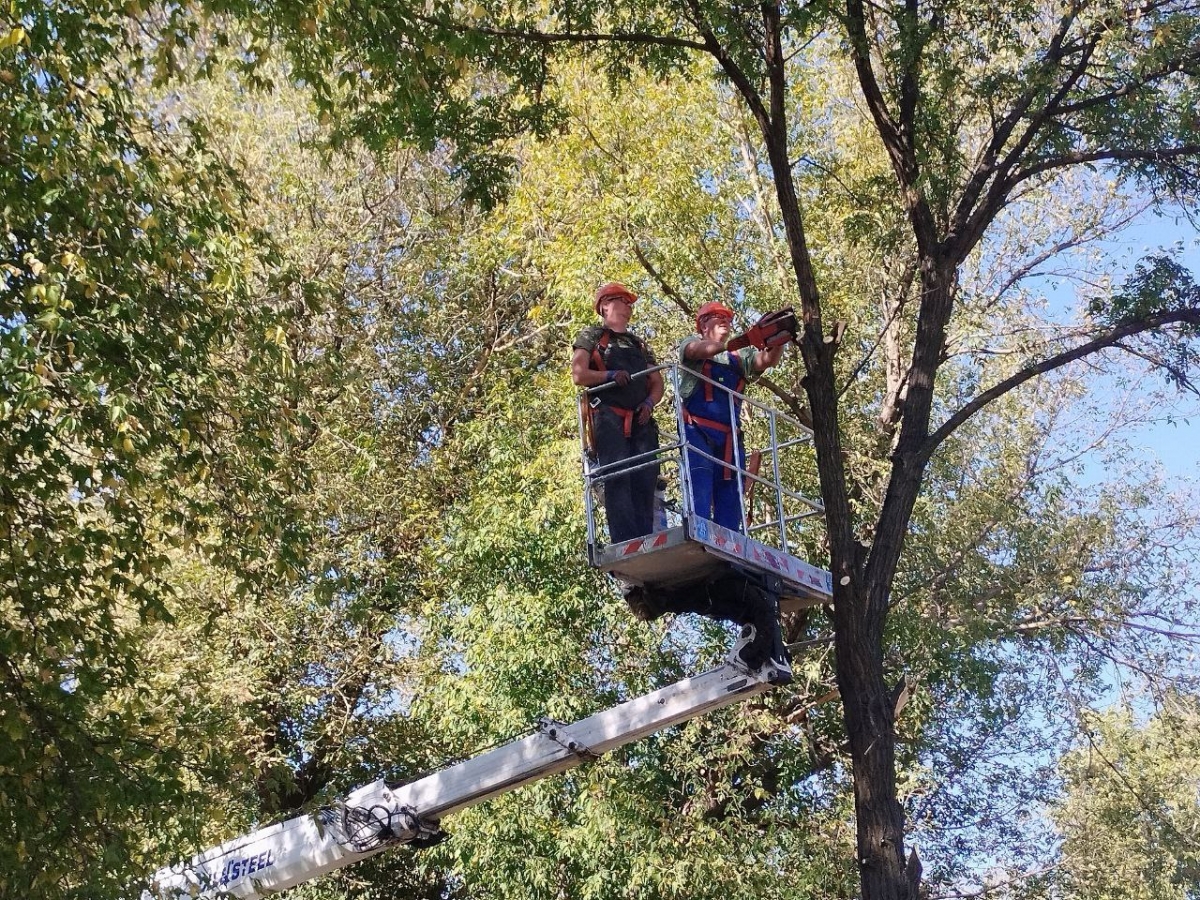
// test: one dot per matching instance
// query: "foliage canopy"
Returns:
(289, 450)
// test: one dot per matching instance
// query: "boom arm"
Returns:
(378, 815)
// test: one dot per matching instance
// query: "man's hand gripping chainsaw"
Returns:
(771, 330)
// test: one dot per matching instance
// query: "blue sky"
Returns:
(1175, 437)
(1172, 431)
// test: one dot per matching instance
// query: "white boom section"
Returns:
(377, 816)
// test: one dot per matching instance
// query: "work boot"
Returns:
(779, 661)
(770, 654)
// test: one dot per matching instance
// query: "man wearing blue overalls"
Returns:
(712, 416)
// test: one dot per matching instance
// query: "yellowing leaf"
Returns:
(12, 38)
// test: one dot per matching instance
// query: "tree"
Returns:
(435, 426)
(144, 396)
(973, 106)
(1129, 814)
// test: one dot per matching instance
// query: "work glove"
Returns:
(771, 330)
(620, 376)
(644, 411)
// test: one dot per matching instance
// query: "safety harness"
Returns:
(599, 363)
(692, 417)
(599, 354)
(707, 370)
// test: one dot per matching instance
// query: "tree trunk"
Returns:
(860, 615)
(861, 585)
(858, 621)
(870, 727)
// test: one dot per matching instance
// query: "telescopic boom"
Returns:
(380, 815)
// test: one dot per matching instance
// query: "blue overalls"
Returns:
(707, 425)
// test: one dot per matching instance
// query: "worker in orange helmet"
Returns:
(621, 415)
(712, 415)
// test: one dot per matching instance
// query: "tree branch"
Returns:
(1079, 238)
(658, 277)
(1162, 154)
(910, 275)
(1109, 339)
(730, 67)
(790, 400)
(1003, 131)
(565, 37)
(1145, 79)
(1178, 375)
(898, 139)
(762, 206)
(974, 223)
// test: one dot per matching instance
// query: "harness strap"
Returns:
(598, 363)
(707, 370)
(753, 466)
(589, 429)
(693, 419)
(599, 350)
(626, 417)
(589, 425)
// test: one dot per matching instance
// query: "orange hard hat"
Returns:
(712, 308)
(611, 290)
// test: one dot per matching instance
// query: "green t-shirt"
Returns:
(620, 340)
(688, 382)
(624, 351)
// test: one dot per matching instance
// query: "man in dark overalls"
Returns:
(621, 416)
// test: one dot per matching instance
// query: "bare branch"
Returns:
(790, 400)
(910, 275)
(1078, 239)
(1161, 154)
(1154, 810)
(810, 163)
(1108, 339)
(1179, 376)
(666, 287)
(762, 202)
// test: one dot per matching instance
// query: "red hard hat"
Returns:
(612, 289)
(712, 308)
